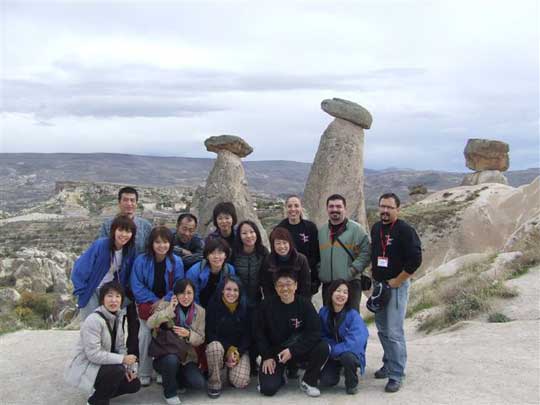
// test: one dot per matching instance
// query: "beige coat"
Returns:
(164, 313)
(94, 349)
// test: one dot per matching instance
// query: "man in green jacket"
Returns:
(345, 250)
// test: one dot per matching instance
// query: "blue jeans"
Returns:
(389, 323)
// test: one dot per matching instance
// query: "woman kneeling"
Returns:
(101, 364)
(186, 321)
(346, 333)
(228, 334)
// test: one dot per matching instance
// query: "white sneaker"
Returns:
(309, 390)
(159, 379)
(145, 381)
(173, 401)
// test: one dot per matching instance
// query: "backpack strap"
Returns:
(112, 331)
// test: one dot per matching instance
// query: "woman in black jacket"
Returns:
(228, 336)
(284, 257)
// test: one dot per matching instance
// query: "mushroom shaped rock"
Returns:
(485, 154)
(231, 143)
(348, 111)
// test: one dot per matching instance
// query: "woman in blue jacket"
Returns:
(209, 272)
(344, 330)
(107, 259)
(152, 281)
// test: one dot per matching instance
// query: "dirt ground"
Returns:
(473, 363)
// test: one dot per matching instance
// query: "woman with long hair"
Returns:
(207, 273)
(228, 336)
(344, 330)
(152, 281)
(101, 366)
(186, 319)
(107, 259)
(284, 258)
(305, 236)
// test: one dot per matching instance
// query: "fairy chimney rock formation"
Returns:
(488, 159)
(226, 182)
(338, 167)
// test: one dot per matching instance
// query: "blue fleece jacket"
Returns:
(142, 277)
(352, 335)
(90, 268)
(200, 277)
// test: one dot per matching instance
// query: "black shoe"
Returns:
(392, 386)
(352, 390)
(381, 373)
(213, 393)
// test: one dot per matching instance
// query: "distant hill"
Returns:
(27, 178)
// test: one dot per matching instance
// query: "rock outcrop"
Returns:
(36, 270)
(484, 218)
(226, 182)
(339, 163)
(488, 159)
(8, 299)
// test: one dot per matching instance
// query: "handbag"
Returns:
(365, 281)
(167, 342)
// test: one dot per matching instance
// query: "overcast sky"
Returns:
(159, 77)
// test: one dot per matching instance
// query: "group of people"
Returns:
(199, 313)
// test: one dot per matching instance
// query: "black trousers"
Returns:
(331, 372)
(313, 362)
(355, 293)
(111, 382)
(132, 341)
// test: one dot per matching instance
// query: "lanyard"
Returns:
(384, 241)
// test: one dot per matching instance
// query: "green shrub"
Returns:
(497, 317)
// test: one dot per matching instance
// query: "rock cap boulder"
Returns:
(232, 143)
(485, 154)
(347, 110)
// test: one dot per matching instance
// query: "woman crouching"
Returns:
(101, 366)
(228, 336)
(186, 320)
(345, 332)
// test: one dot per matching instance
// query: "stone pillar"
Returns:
(338, 167)
(489, 159)
(226, 182)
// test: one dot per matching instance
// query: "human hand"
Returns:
(232, 360)
(173, 303)
(284, 356)
(180, 331)
(394, 283)
(269, 366)
(129, 359)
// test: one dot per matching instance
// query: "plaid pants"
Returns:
(238, 375)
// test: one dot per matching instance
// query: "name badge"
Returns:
(382, 261)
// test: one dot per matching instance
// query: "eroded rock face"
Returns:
(226, 182)
(36, 270)
(485, 154)
(338, 168)
(349, 111)
(231, 143)
(485, 176)
(8, 299)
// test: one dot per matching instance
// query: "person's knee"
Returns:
(239, 381)
(133, 386)
(114, 372)
(349, 359)
(169, 363)
(214, 347)
(269, 389)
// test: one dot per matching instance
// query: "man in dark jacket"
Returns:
(187, 244)
(288, 330)
(396, 254)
